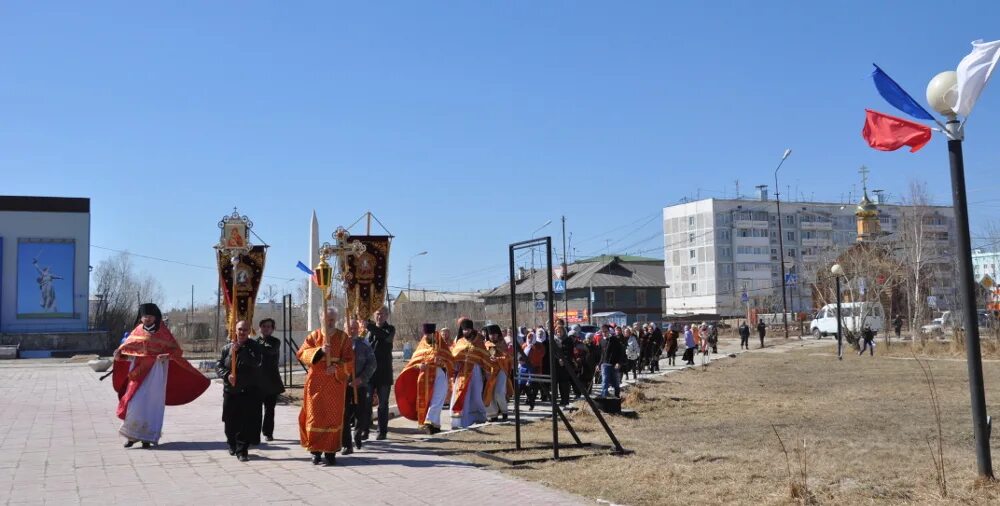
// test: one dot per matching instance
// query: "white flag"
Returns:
(973, 73)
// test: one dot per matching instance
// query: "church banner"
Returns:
(365, 275)
(249, 273)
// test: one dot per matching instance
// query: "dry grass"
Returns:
(933, 348)
(705, 436)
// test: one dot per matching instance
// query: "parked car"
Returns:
(949, 320)
(854, 316)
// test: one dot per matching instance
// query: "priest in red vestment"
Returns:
(329, 354)
(473, 368)
(422, 387)
(149, 373)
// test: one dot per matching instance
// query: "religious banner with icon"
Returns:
(365, 275)
(249, 273)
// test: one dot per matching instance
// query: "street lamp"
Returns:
(940, 96)
(781, 244)
(409, 272)
(838, 271)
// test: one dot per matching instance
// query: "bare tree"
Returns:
(122, 289)
(916, 250)
(269, 294)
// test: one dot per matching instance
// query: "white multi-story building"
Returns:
(715, 250)
(985, 263)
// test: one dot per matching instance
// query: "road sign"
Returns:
(791, 279)
(559, 286)
(987, 281)
(932, 301)
(539, 305)
(861, 285)
(540, 296)
(744, 298)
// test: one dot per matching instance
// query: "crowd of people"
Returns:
(474, 375)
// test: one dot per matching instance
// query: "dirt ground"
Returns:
(705, 436)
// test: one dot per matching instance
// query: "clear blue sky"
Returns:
(462, 125)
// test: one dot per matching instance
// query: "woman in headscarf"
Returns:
(534, 348)
(671, 345)
(150, 373)
(689, 345)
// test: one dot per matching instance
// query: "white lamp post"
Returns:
(940, 95)
(838, 271)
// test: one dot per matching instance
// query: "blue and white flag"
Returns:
(302, 267)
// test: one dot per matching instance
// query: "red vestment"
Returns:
(321, 420)
(468, 354)
(415, 387)
(184, 382)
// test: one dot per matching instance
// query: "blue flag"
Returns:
(302, 267)
(897, 96)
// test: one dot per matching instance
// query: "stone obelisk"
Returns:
(313, 300)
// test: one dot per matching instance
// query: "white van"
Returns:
(855, 315)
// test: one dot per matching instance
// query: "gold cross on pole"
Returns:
(342, 249)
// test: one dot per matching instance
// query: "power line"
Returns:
(176, 262)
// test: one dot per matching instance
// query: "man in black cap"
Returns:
(271, 384)
(241, 397)
(380, 336)
(566, 344)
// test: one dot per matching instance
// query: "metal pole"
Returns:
(517, 355)
(840, 342)
(235, 260)
(284, 338)
(218, 310)
(590, 304)
(534, 311)
(781, 258)
(553, 371)
(967, 289)
(781, 245)
(565, 274)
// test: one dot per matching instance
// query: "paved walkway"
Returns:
(59, 444)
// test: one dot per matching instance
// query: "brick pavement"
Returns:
(59, 444)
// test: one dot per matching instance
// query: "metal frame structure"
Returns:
(554, 359)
